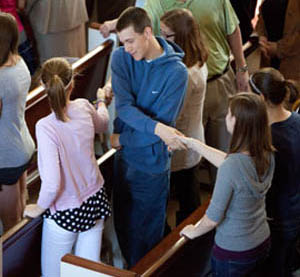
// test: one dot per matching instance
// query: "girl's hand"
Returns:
(33, 210)
(188, 232)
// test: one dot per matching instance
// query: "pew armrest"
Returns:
(73, 264)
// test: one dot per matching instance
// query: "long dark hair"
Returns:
(271, 83)
(9, 37)
(187, 35)
(57, 75)
(251, 131)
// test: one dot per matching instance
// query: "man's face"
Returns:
(135, 44)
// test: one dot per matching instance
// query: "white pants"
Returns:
(56, 242)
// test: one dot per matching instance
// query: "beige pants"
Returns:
(215, 109)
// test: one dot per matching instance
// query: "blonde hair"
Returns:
(57, 76)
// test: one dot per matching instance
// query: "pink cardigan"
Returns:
(66, 158)
(10, 6)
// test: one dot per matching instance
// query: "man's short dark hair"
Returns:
(135, 17)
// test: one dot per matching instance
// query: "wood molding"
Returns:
(97, 266)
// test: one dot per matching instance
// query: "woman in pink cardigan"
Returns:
(72, 193)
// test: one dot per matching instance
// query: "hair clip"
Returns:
(253, 86)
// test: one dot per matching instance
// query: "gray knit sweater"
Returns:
(16, 144)
(238, 204)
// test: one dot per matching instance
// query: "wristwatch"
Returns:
(242, 69)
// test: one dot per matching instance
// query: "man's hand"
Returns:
(107, 27)
(115, 141)
(188, 232)
(271, 48)
(268, 48)
(242, 81)
(33, 210)
(21, 4)
(169, 136)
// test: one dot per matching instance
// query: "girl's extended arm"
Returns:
(213, 155)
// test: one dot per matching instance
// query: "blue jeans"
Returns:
(139, 206)
(238, 268)
(283, 246)
(26, 51)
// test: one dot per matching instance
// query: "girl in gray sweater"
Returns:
(237, 207)
(16, 144)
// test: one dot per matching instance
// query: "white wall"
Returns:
(67, 270)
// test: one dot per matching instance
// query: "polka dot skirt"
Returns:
(83, 218)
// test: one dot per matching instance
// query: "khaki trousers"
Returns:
(215, 110)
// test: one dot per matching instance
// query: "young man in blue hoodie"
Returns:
(149, 82)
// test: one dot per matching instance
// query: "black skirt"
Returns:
(83, 218)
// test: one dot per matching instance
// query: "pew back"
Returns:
(76, 266)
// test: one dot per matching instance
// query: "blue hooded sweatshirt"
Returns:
(147, 93)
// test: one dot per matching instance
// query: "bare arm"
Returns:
(203, 226)
(235, 43)
(33, 210)
(21, 4)
(213, 155)
(107, 27)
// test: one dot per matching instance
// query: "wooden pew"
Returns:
(22, 244)
(76, 266)
(160, 261)
(177, 256)
(22, 248)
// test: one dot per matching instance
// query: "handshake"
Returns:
(174, 139)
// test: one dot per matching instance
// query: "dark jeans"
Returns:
(139, 206)
(186, 191)
(283, 246)
(239, 268)
(26, 51)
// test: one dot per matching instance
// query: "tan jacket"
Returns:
(53, 16)
(189, 121)
(288, 48)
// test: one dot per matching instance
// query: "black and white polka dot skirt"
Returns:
(83, 218)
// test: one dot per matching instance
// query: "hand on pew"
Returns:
(106, 94)
(188, 232)
(203, 226)
(267, 48)
(33, 210)
(115, 141)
